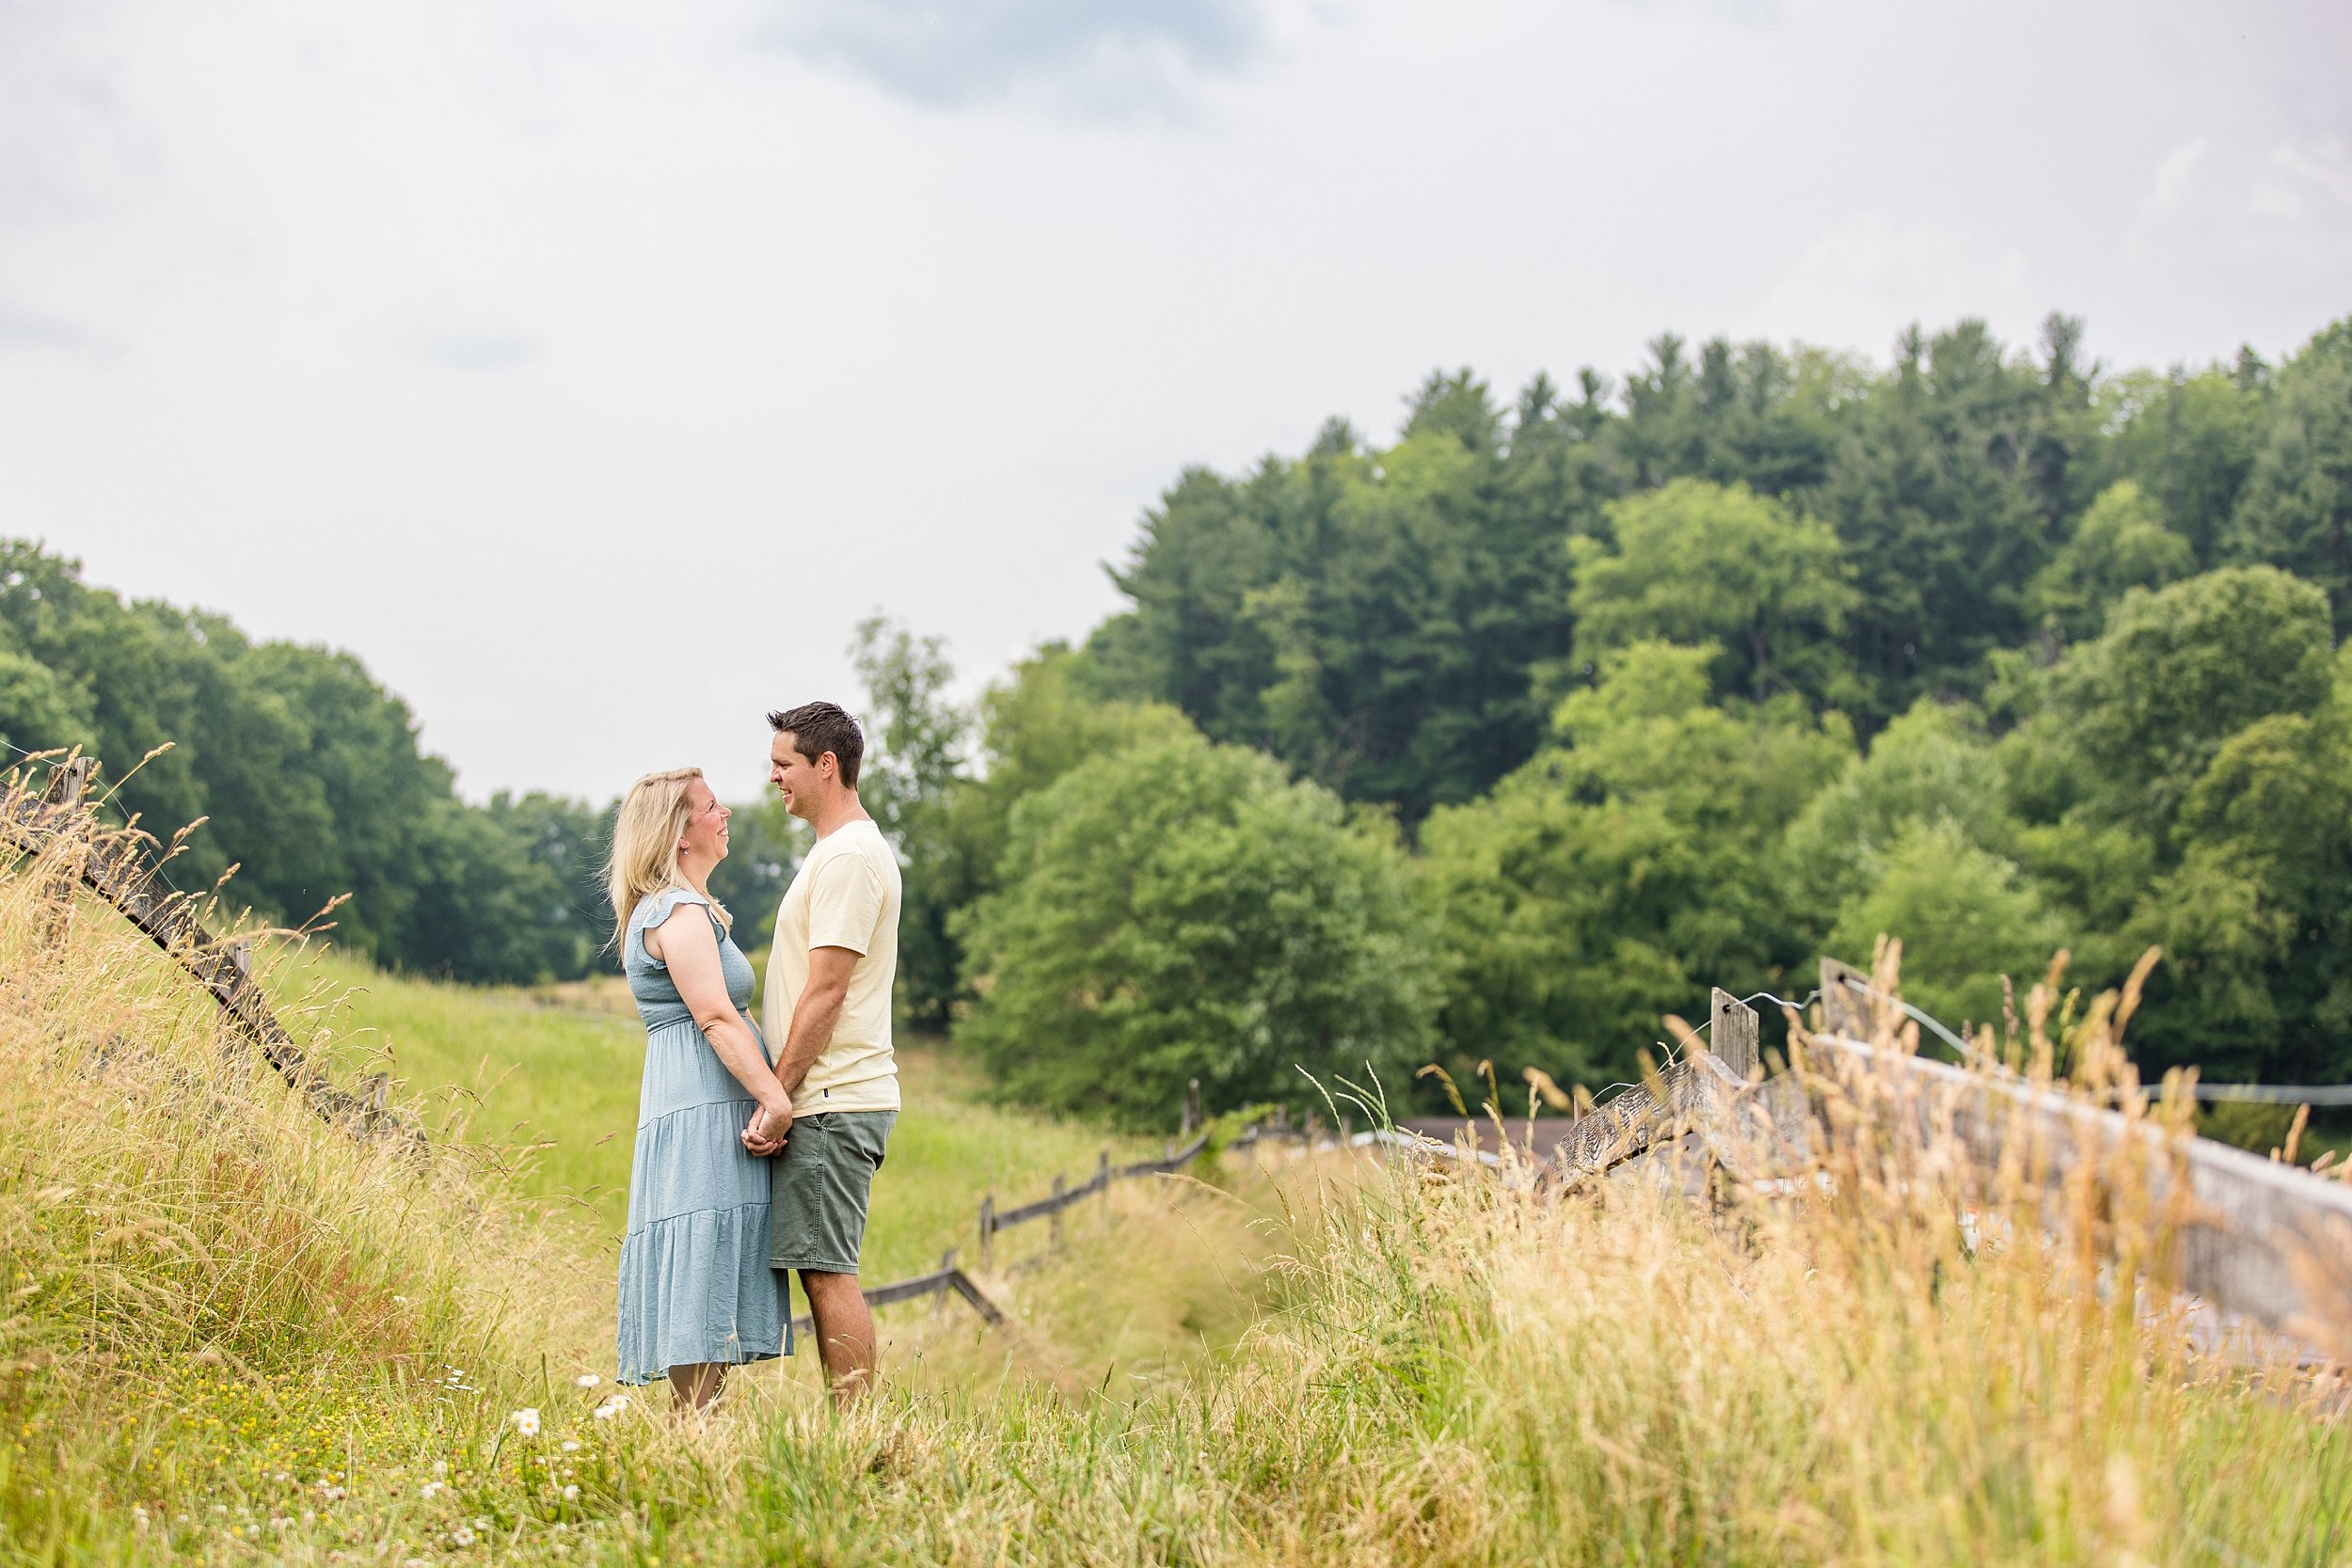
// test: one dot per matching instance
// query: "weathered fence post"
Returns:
(1841, 1005)
(1731, 1033)
(988, 1227)
(67, 781)
(1192, 1110)
(234, 961)
(1056, 1217)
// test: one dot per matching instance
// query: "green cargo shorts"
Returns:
(820, 1184)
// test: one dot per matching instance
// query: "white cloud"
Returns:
(68, 145)
(477, 351)
(22, 329)
(1862, 281)
(2174, 174)
(2321, 164)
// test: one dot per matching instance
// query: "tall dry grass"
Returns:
(1904, 1355)
(226, 1326)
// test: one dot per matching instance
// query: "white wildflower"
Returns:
(431, 1490)
(461, 1536)
(526, 1422)
(570, 1445)
(441, 1466)
(587, 1380)
(571, 1493)
(610, 1407)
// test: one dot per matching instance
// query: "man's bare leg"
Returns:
(693, 1387)
(845, 1333)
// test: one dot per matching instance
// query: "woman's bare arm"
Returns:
(691, 949)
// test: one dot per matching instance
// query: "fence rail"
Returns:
(120, 868)
(2264, 1242)
(942, 1280)
(949, 1278)
(993, 1219)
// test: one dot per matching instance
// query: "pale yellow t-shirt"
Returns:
(845, 896)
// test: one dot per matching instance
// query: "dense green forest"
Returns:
(308, 777)
(1496, 742)
(1648, 688)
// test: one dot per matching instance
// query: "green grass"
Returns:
(552, 1085)
(543, 1081)
(547, 1077)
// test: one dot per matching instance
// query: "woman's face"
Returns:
(704, 837)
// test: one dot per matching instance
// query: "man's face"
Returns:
(800, 781)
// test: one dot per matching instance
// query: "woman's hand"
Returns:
(769, 1124)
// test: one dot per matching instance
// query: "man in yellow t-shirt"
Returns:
(827, 1019)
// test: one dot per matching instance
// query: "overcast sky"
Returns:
(590, 368)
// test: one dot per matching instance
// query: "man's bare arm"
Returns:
(815, 1013)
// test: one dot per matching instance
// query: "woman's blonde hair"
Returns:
(645, 845)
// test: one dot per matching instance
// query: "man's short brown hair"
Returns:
(817, 728)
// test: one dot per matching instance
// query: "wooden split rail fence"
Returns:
(2265, 1242)
(948, 1279)
(120, 868)
(1063, 1196)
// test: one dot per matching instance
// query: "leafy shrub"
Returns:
(1181, 909)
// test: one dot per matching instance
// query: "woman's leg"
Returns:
(693, 1387)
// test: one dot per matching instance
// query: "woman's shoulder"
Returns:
(655, 908)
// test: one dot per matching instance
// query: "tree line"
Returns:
(308, 779)
(1494, 743)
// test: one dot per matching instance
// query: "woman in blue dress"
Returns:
(696, 1293)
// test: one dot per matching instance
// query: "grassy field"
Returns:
(543, 1083)
(549, 1077)
(232, 1334)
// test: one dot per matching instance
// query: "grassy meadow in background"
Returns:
(547, 1079)
(234, 1334)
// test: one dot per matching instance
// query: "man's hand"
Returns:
(769, 1124)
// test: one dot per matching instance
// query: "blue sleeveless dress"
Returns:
(695, 1284)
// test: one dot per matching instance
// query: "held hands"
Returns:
(769, 1124)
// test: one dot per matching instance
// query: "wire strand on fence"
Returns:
(2258, 1094)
